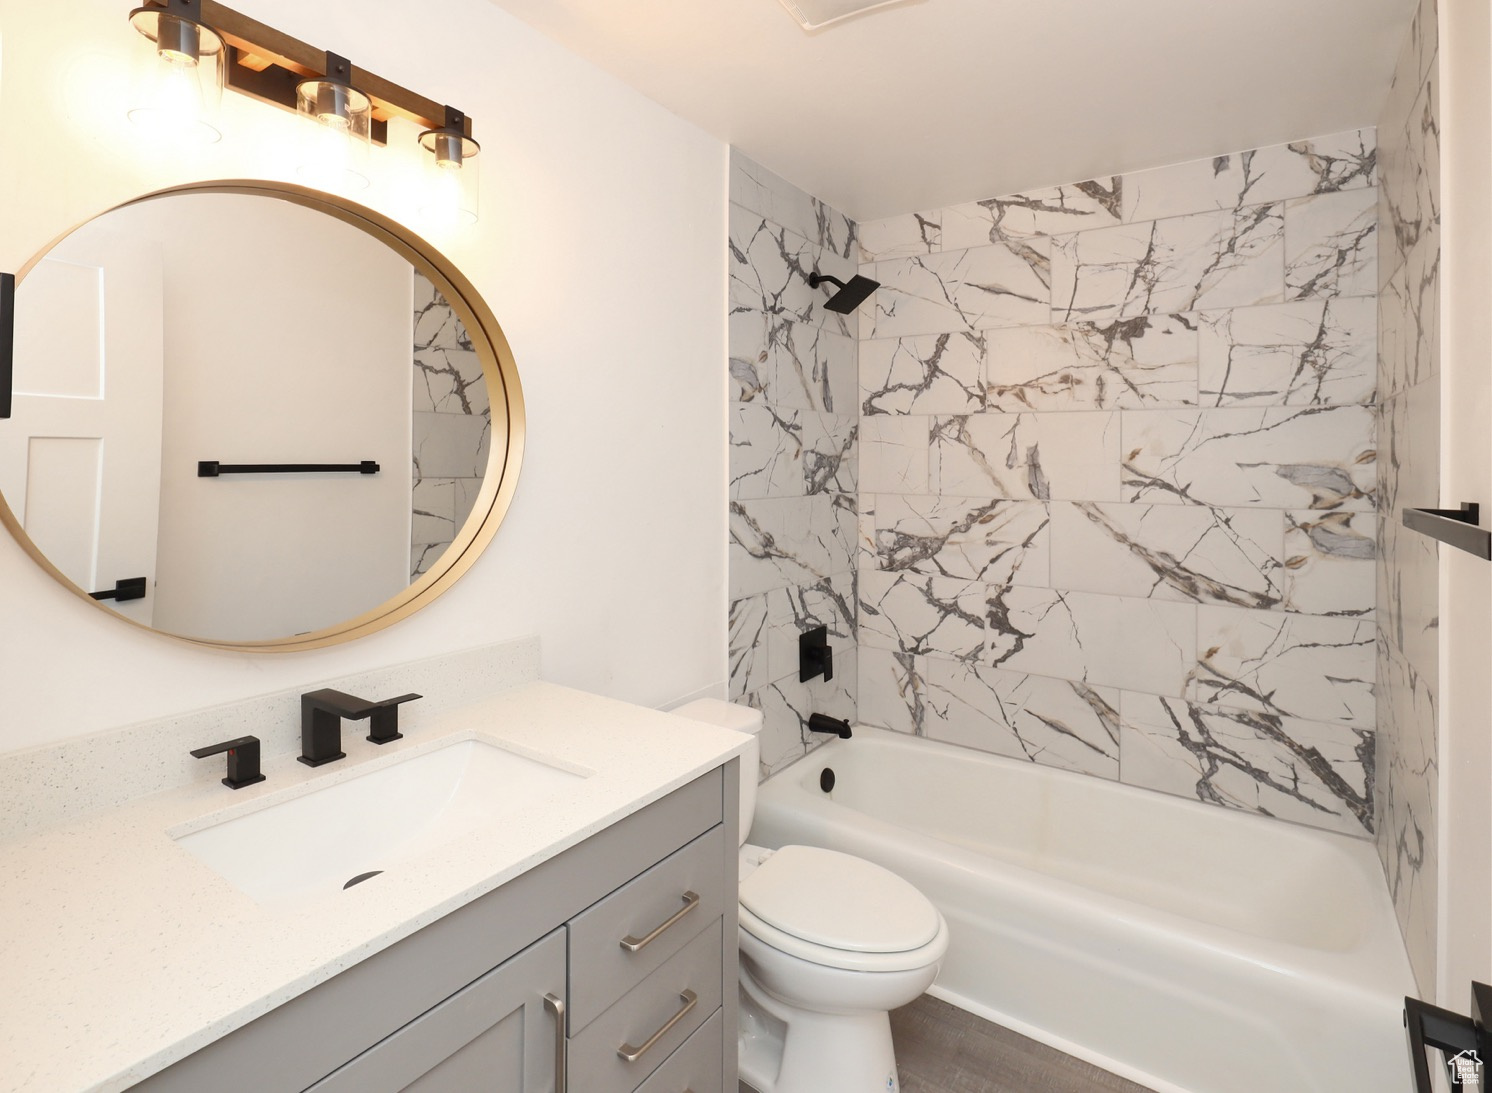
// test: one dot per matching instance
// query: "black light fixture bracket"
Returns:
(267, 64)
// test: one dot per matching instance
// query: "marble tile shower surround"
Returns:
(1118, 506)
(452, 426)
(794, 457)
(1408, 662)
(47, 785)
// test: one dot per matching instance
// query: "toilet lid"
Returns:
(839, 901)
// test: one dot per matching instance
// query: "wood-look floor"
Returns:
(942, 1049)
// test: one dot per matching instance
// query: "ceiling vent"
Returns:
(814, 14)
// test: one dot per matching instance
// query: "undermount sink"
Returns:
(324, 840)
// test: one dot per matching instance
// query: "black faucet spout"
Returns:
(321, 714)
(822, 722)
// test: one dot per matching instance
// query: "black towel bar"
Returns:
(1457, 527)
(211, 468)
(7, 341)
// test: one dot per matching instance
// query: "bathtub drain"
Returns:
(826, 779)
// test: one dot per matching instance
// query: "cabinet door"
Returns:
(497, 1035)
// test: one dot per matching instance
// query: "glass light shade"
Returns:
(180, 70)
(453, 178)
(336, 133)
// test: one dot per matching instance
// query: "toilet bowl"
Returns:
(829, 944)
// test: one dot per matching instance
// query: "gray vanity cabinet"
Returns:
(497, 1034)
(614, 961)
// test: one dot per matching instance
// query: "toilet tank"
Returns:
(737, 718)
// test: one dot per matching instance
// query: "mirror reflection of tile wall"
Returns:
(452, 427)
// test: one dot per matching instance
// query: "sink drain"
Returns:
(360, 878)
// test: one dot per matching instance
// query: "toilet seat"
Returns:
(840, 911)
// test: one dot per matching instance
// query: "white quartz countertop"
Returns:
(122, 953)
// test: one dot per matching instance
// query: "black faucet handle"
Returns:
(243, 760)
(383, 719)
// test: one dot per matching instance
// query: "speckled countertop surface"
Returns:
(122, 953)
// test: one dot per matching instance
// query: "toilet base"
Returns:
(788, 1050)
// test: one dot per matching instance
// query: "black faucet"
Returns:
(321, 714)
(243, 760)
(822, 722)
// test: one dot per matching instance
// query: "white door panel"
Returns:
(80, 456)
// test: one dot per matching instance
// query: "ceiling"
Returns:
(930, 103)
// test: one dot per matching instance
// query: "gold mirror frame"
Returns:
(498, 367)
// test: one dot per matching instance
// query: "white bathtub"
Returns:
(1189, 948)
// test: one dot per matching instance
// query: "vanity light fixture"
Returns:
(337, 129)
(346, 108)
(453, 186)
(179, 74)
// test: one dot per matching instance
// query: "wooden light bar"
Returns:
(267, 64)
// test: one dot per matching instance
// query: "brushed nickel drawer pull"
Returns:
(632, 1054)
(636, 944)
(556, 1006)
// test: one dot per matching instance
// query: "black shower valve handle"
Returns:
(815, 658)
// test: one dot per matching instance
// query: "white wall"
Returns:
(1465, 743)
(600, 249)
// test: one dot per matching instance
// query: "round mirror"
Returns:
(251, 415)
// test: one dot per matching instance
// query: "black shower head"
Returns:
(849, 296)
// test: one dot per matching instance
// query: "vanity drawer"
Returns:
(654, 915)
(633, 1022)
(695, 1067)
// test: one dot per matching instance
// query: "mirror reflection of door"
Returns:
(80, 460)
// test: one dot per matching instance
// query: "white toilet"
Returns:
(829, 944)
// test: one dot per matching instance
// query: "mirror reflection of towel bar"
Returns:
(211, 468)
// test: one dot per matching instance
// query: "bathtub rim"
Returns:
(1378, 963)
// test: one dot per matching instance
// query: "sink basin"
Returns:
(315, 844)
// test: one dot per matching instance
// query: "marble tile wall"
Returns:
(1409, 440)
(452, 426)
(1118, 478)
(794, 435)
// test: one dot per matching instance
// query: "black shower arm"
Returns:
(815, 278)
